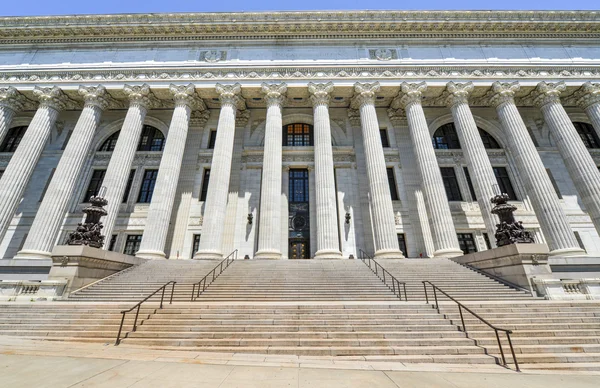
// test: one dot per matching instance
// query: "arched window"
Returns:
(587, 134)
(152, 139)
(13, 139)
(445, 138)
(297, 135)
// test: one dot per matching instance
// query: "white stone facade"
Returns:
(329, 73)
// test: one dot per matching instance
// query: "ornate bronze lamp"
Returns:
(88, 232)
(508, 231)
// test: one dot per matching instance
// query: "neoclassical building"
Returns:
(290, 135)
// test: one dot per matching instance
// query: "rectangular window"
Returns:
(205, 180)
(298, 186)
(488, 244)
(132, 244)
(94, 185)
(402, 243)
(504, 182)
(113, 241)
(196, 245)
(385, 141)
(470, 183)
(553, 183)
(47, 184)
(579, 241)
(451, 184)
(211, 139)
(392, 183)
(147, 188)
(466, 242)
(128, 187)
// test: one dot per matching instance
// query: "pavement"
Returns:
(35, 363)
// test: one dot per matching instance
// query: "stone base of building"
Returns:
(388, 254)
(325, 254)
(268, 255)
(25, 269)
(80, 265)
(208, 255)
(447, 253)
(516, 264)
(151, 255)
(575, 267)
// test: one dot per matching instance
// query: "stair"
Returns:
(461, 282)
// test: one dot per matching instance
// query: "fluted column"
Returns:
(269, 236)
(119, 167)
(538, 187)
(11, 102)
(478, 162)
(48, 220)
(589, 100)
(213, 225)
(23, 162)
(384, 224)
(445, 240)
(163, 197)
(577, 158)
(328, 237)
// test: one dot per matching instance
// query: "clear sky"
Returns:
(67, 7)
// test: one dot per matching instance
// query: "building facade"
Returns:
(298, 134)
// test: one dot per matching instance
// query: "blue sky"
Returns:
(65, 7)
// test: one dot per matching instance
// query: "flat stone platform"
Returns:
(27, 363)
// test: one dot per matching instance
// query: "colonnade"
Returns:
(546, 96)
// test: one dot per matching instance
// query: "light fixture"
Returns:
(250, 218)
(348, 218)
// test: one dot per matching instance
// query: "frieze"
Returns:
(212, 56)
(383, 54)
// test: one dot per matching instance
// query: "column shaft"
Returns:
(213, 225)
(593, 112)
(6, 116)
(384, 224)
(163, 197)
(550, 215)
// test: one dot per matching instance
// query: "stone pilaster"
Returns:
(328, 238)
(444, 235)
(269, 237)
(384, 225)
(119, 167)
(478, 163)
(48, 220)
(211, 240)
(11, 102)
(163, 197)
(538, 187)
(18, 172)
(589, 100)
(577, 158)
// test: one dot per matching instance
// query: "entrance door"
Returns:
(299, 249)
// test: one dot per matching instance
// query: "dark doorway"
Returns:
(299, 215)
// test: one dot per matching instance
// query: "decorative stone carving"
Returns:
(274, 94)
(458, 93)
(503, 92)
(364, 93)
(141, 95)
(199, 118)
(88, 233)
(410, 93)
(213, 56)
(186, 95)
(320, 94)
(397, 117)
(241, 118)
(13, 100)
(588, 95)
(53, 97)
(546, 93)
(354, 117)
(96, 96)
(230, 94)
(509, 230)
(383, 54)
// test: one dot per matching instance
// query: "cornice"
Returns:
(301, 25)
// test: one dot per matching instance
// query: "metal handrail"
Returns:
(228, 260)
(464, 327)
(139, 304)
(385, 275)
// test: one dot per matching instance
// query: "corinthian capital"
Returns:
(53, 98)
(140, 95)
(186, 95)
(503, 92)
(229, 94)
(364, 93)
(320, 94)
(198, 118)
(241, 118)
(458, 93)
(397, 117)
(354, 117)
(546, 93)
(13, 100)
(410, 93)
(95, 96)
(274, 93)
(588, 95)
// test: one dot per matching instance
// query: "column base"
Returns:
(151, 254)
(208, 255)
(328, 254)
(267, 255)
(447, 253)
(30, 254)
(388, 254)
(566, 252)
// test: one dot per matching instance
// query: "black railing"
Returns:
(139, 304)
(462, 307)
(200, 286)
(386, 277)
